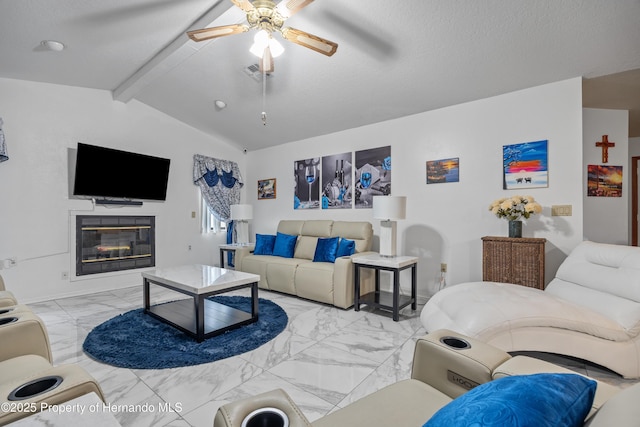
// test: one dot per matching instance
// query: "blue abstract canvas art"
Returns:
(525, 165)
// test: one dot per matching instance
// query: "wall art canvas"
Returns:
(336, 181)
(266, 189)
(307, 184)
(525, 165)
(444, 170)
(372, 175)
(604, 181)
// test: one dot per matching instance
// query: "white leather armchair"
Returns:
(6, 298)
(590, 310)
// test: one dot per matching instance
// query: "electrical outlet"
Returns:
(189, 247)
(443, 267)
(64, 275)
(193, 214)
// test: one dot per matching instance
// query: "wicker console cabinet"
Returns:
(513, 260)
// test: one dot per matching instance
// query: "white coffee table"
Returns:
(200, 318)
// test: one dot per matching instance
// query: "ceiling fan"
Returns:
(267, 17)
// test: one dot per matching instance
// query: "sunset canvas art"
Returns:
(604, 181)
(444, 170)
(525, 165)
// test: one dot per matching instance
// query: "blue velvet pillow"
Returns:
(346, 248)
(264, 244)
(326, 250)
(285, 245)
(538, 400)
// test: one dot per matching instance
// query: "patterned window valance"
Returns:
(220, 182)
(213, 177)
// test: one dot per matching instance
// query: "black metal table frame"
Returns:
(225, 250)
(222, 253)
(373, 298)
(200, 303)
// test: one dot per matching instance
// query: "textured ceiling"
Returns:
(394, 58)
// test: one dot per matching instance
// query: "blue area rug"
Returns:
(138, 341)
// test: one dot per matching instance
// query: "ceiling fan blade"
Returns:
(244, 5)
(266, 63)
(286, 8)
(310, 41)
(214, 32)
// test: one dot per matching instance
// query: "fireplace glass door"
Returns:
(113, 243)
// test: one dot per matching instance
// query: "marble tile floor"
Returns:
(325, 359)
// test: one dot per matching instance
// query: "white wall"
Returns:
(634, 147)
(446, 221)
(634, 151)
(606, 219)
(41, 122)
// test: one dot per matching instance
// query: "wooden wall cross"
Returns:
(605, 144)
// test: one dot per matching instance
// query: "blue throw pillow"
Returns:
(538, 400)
(264, 244)
(346, 248)
(326, 250)
(285, 245)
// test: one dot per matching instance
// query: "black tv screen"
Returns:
(105, 172)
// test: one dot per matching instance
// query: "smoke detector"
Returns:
(52, 45)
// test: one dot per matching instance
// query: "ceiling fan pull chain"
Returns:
(264, 98)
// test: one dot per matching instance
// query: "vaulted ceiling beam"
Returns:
(175, 52)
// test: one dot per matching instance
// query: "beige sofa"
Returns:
(330, 283)
(442, 371)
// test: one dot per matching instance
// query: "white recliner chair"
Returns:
(22, 332)
(28, 378)
(6, 298)
(590, 310)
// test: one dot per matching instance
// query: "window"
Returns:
(210, 224)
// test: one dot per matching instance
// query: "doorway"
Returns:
(635, 161)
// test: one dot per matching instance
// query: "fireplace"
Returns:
(113, 243)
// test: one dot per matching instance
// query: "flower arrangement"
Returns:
(513, 208)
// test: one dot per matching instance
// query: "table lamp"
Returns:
(241, 214)
(388, 209)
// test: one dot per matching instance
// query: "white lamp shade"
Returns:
(390, 207)
(241, 212)
(263, 39)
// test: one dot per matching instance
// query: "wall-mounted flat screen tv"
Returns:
(105, 172)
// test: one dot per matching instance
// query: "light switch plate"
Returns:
(561, 210)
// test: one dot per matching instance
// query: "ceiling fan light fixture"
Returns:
(256, 50)
(276, 48)
(261, 40)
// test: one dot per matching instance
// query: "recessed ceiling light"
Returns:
(220, 104)
(52, 45)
